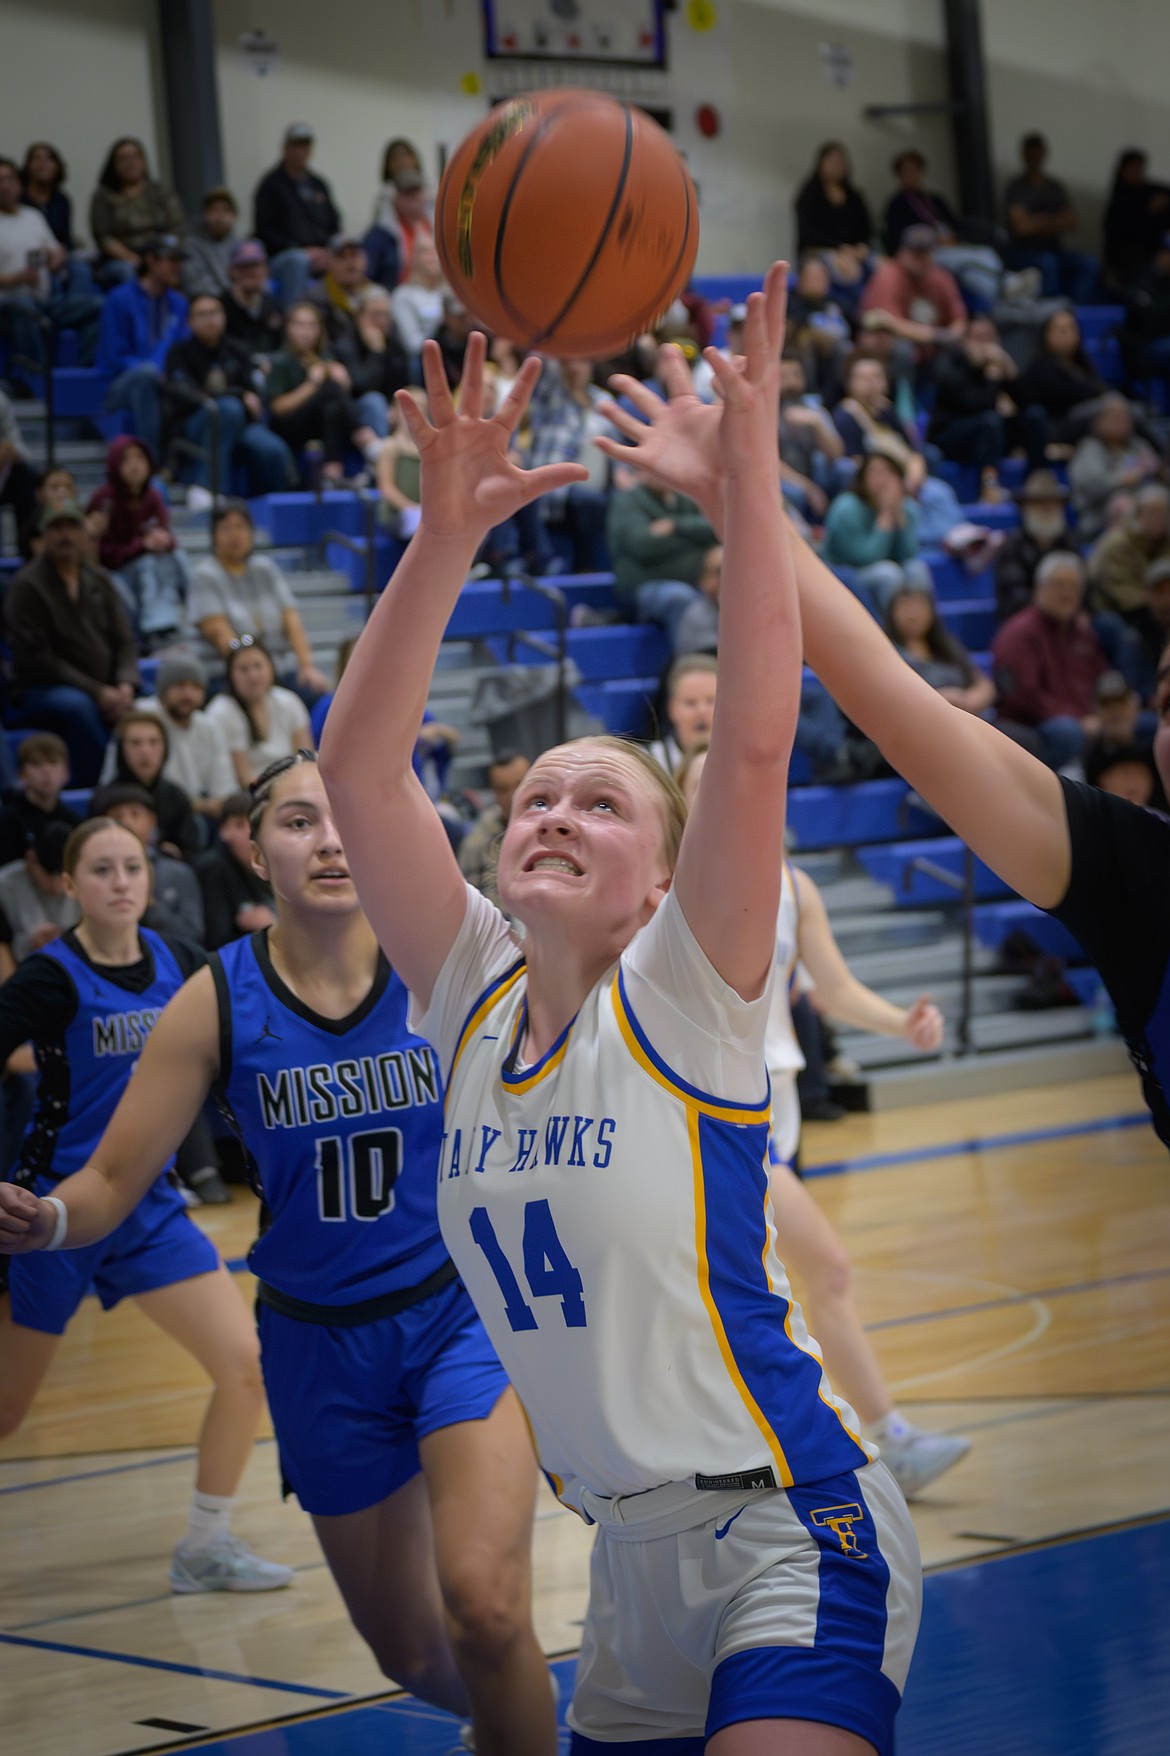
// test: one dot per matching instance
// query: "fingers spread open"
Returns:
(417, 424)
(675, 372)
(551, 476)
(636, 392)
(622, 419)
(471, 382)
(439, 397)
(511, 410)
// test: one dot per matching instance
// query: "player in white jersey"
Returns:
(806, 948)
(756, 1583)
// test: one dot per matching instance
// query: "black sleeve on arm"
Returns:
(1118, 900)
(37, 1004)
(189, 956)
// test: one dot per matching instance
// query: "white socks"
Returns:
(208, 1520)
(892, 1426)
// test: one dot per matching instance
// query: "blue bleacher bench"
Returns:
(995, 920)
(894, 865)
(849, 816)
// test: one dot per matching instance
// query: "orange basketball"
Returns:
(567, 222)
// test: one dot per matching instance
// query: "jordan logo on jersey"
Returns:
(124, 1033)
(840, 1520)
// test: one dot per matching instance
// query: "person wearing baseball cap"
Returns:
(254, 315)
(1044, 526)
(141, 321)
(295, 216)
(210, 244)
(34, 907)
(914, 301)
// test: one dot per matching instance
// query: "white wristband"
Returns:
(62, 1225)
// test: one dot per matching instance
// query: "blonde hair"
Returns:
(687, 665)
(688, 762)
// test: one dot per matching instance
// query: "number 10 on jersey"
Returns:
(365, 1168)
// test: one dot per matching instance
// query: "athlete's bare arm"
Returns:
(838, 989)
(1004, 803)
(408, 878)
(729, 868)
(165, 1094)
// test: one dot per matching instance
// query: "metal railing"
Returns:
(369, 502)
(556, 653)
(43, 369)
(963, 887)
(179, 445)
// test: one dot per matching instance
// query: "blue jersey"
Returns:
(342, 1119)
(85, 1070)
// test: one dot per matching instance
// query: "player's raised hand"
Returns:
(924, 1026)
(750, 384)
(469, 482)
(26, 1222)
(677, 443)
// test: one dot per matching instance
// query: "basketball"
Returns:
(567, 221)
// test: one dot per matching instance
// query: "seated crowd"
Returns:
(244, 361)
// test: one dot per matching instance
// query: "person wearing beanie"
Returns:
(197, 754)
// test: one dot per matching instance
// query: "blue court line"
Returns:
(1060, 1292)
(877, 1161)
(159, 1664)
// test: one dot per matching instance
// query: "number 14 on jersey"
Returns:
(547, 1269)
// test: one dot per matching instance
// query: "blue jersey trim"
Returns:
(853, 1574)
(668, 1073)
(483, 1000)
(798, 1682)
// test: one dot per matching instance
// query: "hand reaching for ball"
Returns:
(469, 481)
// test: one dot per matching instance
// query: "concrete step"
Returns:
(990, 1074)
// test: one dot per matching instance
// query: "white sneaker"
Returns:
(228, 1565)
(915, 1459)
(199, 499)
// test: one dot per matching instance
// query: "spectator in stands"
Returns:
(689, 703)
(1044, 529)
(35, 908)
(973, 401)
(73, 659)
(309, 395)
(698, 630)
(913, 301)
(479, 851)
(197, 759)
(867, 420)
(42, 764)
(403, 214)
(320, 709)
(295, 216)
(1039, 217)
(236, 900)
(208, 247)
(344, 282)
(128, 210)
(1109, 459)
(56, 487)
(209, 365)
(1127, 772)
(1123, 556)
(1057, 390)
(18, 481)
(1135, 219)
(976, 267)
(1147, 316)
(137, 544)
(913, 624)
(236, 592)
(832, 217)
(452, 335)
(659, 543)
(1047, 660)
(176, 902)
(418, 301)
(42, 183)
(373, 355)
(398, 474)
(871, 533)
(565, 417)
(260, 721)
(809, 443)
(1152, 622)
(141, 753)
(254, 317)
(141, 321)
(35, 281)
(818, 329)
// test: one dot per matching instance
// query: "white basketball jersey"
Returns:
(611, 1222)
(781, 1047)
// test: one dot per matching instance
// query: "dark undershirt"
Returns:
(1118, 908)
(38, 1002)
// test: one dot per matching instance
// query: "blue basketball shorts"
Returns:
(350, 1405)
(155, 1246)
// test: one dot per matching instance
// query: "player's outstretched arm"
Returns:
(838, 989)
(408, 878)
(729, 867)
(166, 1092)
(1005, 804)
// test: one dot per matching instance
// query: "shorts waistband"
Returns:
(364, 1311)
(664, 1511)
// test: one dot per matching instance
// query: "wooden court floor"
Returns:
(1012, 1261)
